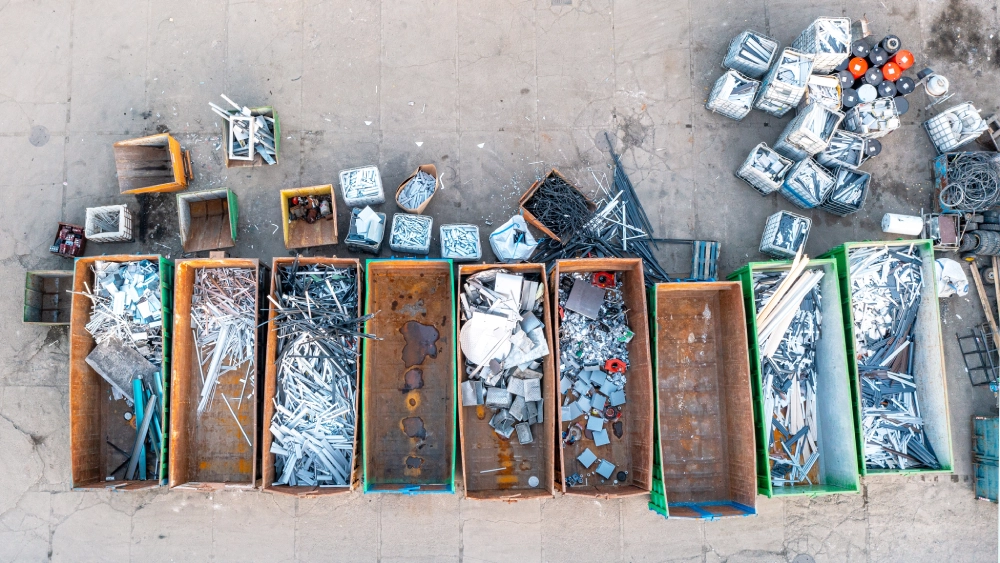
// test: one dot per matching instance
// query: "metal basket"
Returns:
(751, 54)
(790, 150)
(785, 83)
(461, 251)
(784, 234)
(362, 186)
(849, 192)
(955, 127)
(411, 233)
(732, 95)
(812, 128)
(874, 119)
(807, 184)
(844, 149)
(764, 169)
(828, 40)
(359, 242)
(111, 223)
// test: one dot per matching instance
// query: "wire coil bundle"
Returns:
(973, 182)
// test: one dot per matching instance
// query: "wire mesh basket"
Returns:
(955, 127)
(111, 223)
(784, 234)
(362, 186)
(874, 119)
(807, 184)
(751, 54)
(828, 40)
(785, 83)
(764, 169)
(849, 191)
(844, 149)
(732, 95)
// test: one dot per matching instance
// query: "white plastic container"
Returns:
(902, 224)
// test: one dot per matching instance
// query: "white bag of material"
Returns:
(951, 279)
(512, 242)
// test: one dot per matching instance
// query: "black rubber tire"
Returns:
(969, 242)
(989, 227)
(989, 275)
(991, 216)
(970, 226)
(989, 243)
(975, 217)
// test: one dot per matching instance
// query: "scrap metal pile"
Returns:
(315, 403)
(593, 342)
(789, 324)
(126, 323)
(223, 320)
(417, 190)
(310, 208)
(503, 339)
(249, 134)
(886, 286)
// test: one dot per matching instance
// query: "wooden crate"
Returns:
(152, 164)
(482, 447)
(207, 219)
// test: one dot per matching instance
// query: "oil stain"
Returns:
(412, 380)
(958, 35)
(421, 341)
(413, 426)
(413, 462)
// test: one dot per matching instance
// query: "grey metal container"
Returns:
(447, 251)
(349, 178)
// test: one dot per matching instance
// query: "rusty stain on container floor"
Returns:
(421, 341)
(413, 379)
(413, 426)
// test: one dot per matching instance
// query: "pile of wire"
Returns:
(559, 206)
(973, 182)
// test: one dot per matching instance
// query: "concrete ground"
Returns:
(495, 93)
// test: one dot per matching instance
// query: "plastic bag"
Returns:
(951, 279)
(512, 242)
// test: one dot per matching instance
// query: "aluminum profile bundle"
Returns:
(849, 191)
(807, 184)
(785, 234)
(362, 186)
(828, 40)
(955, 127)
(872, 120)
(886, 286)
(788, 330)
(785, 84)
(844, 149)
(733, 95)
(750, 53)
(503, 340)
(811, 130)
(411, 233)
(764, 169)
(461, 242)
(315, 416)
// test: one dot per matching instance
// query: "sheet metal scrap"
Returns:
(319, 331)
(223, 319)
(886, 285)
(787, 339)
(594, 361)
(503, 340)
(125, 304)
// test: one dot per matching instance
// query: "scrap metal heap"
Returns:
(886, 287)
(126, 322)
(249, 134)
(593, 343)
(788, 328)
(503, 339)
(315, 403)
(417, 190)
(223, 320)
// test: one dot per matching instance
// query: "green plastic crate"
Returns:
(414, 486)
(837, 422)
(928, 358)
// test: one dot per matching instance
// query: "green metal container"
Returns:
(409, 397)
(838, 467)
(928, 358)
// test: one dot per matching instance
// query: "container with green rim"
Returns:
(93, 419)
(408, 389)
(838, 450)
(928, 358)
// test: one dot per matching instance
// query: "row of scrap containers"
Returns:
(692, 441)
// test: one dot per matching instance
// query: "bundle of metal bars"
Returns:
(593, 342)
(559, 206)
(620, 228)
(503, 340)
(788, 328)
(223, 319)
(315, 406)
(417, 190)
(886, 286)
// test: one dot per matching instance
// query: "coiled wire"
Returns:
(973, 182)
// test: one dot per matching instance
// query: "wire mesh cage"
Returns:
(784, 234)
(732, 95)
(764, 169)
(955, 127)
(807, 184)
(785, 83)
(751, 53)
(828, 40)
(849, 191)
(110, 223)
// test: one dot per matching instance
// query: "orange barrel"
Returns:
(891, 71)
(857, 66)
(903, 58)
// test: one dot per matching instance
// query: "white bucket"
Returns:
(902, 224)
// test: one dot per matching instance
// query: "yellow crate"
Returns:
(299, 234)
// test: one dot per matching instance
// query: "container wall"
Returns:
(483, 449)
(634, 451)
(408, 384)
(704, 407)
(209, 450)
(271, 384)
(95, 419)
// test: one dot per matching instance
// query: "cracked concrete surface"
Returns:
(495, 94)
